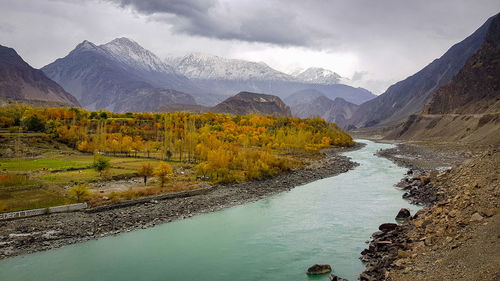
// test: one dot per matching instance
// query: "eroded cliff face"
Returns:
(476, 87)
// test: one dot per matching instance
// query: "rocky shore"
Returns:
(456, 237)
(28, 235)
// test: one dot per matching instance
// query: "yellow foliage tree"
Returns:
(163, 172)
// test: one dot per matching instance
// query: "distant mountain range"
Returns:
(225, 77)
(241, 104)
(21, 82)
(123, 76)
(119, 76)
(333, 111)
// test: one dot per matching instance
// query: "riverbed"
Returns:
(276, 238)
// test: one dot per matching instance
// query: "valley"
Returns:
(119, 161)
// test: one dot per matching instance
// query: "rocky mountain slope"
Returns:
(118, 76)
(476, 88)
(333, 111)
(303, 97)
(410, 95)
(224, 76)
(253, 103)
(21, 82)
(468, 108)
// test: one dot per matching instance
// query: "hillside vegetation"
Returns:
(48, 151)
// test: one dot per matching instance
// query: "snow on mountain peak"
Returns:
(132, 54)
(206, 66)
(317, 75)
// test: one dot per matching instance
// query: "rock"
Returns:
(334, 277)
(476, 217)
(403, 254)
(319, 269)
(403, 214)
(488, 212)
(386, 227)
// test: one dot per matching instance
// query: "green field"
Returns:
(30, 199)
(43, 181)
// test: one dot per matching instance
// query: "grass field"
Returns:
(30, 199)
(43, 181)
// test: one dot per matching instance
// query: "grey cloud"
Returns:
(315, 23)
(264, 22)
(358, 75)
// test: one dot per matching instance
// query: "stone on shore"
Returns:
(319, 269)
(403, 214)
(386, 227)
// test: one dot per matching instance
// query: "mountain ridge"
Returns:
(21, 82)
(411, 94)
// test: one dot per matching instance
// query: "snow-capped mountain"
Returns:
(134, 55)
(224, 76)
(204, 66)
(119, 76)
(317, 75)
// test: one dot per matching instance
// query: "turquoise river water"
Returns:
(277, 238)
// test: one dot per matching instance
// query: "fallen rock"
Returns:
(319, 269)
(476, 217)
(403, 214)
(386, 227)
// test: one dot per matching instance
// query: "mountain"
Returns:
(316, 75)
(303, 97)
(241, 104)
(223, 76)
(333, 111)
(252, 103)
(21, 82)
(410, 95)
(204, 66)
(119, 76)
(467, 109)
(476, 88)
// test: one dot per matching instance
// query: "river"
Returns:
(277, 238)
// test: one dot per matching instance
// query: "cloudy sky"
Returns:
(375, 43)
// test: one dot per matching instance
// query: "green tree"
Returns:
(34, 124)
(80, 192)
(101, 164)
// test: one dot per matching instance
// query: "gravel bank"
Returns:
(456, 236)
(24, 236)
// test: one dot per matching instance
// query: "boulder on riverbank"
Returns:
(319, 269)
(385, 227)
(403, 214)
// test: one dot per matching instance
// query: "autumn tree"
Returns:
(146, 171)
(163, 172)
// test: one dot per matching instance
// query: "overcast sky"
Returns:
(376, 43)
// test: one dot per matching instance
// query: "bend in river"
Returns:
(277, 238)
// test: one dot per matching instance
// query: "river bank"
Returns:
(456, 236)
(28, 235)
